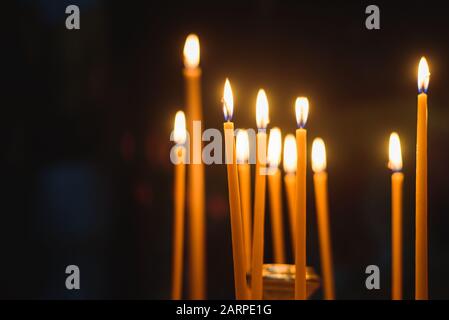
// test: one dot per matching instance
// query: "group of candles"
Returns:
(247, 239)
(247, 226)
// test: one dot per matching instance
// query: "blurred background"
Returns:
(86, 175)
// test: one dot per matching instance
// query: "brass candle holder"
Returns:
(279, 281)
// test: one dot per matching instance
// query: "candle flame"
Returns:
(242, 146)
(423, 75)
(228, 101)
(192, 51)
(302, 111)
(274, 147)
(179, 135)
(395, 154)
(290, 156)
(262, 117)
(318, 155)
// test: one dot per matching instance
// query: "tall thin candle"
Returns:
(234, 196)
(196, 194)
(421, 272)
(275, 194)
(322, 210)
(302, 111)
(397, 179)
(290, 182)
(179, 203)
(245, 190)
(262, 120)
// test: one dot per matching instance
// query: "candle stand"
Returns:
(279, 281)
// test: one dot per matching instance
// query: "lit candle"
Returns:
(397, 179)
(421, 272)
(302, 111)
(192, 75)
(289, 180)
(275, 193)
(322, 210)
(262, 120)
(245, 190)
(179, 199)
(238, 250)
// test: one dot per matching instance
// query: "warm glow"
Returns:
(318, 155)
(423, 75)
(242, 146)
(192, 51)
(290, 156)
(274, 147)
(395, 154)
(228, 101)
(262, 117)
(302, 111)
(179, 135)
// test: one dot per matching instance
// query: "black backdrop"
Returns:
(86, 172)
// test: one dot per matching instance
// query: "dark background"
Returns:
(86, 175)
